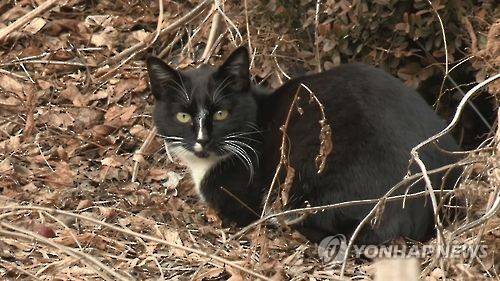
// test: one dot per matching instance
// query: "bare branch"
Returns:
(45, 6)
(135, 234)
(167, 30)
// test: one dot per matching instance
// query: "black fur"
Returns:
(375, 121)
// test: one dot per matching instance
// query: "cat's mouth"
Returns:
(201, 154)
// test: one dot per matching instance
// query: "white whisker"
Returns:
(221, 87)
(170, 137)
(242, 155)
(235, 142)
(184, 88)
(237, 134)
(253, 126)
(180, 89)
(243, 138)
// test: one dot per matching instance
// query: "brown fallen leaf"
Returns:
(73, 94)
(62, 177)
(119, 116)
(157, 174)
(11, 144)
(139, 132)
(58, 26)
(108, 37)
(99, 95)
(113, 161)
(123, 86)
(31, 100)
(5, 166)
(210, 274)
(10, 84)
(83, 204)
(44, 231)
(235, 274)
(45, 85)
(35, 25)
(173, 236)
(107, 213)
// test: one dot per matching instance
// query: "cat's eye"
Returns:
(221, 115)
(183, 117)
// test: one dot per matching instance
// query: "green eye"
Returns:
(221, 115)
(183, 117)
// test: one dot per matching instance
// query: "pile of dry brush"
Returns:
(87, 190)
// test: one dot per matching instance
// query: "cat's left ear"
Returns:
(160, 76)
(236, 67)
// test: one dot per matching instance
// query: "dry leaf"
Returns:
(5, 165)
(235, 274)
(172, 236)
(44, 231)
(108, 37)
(113, 161)
(62, 177)
(84, 204)
(73, 94)
(157, 174)
(98, 20)
(35, 25)
(9, 84)
(210, 274)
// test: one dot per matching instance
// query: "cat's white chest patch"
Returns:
(198, 167)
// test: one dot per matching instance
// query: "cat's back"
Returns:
(361, 102)
(375, 121)
(372, 92)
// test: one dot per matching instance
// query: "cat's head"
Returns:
(205, 112)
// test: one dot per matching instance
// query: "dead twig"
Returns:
(491, 208)
(218, 8)
(175, 25)
(171, 44)
(138, 156)
(283, 151)
(492, 211)
(88, 259)
(69, 63)
(140, 235)
(214, 33)
(150, 40)
(20, 22)
(445, 44)
(247, 25)
(316, 36)
(472, 34)
(456, 117)
(13, 266)
(325, 143)
(306, 210)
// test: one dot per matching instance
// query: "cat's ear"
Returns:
(237, 68)
(160, 76)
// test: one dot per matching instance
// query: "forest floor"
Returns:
(87, 191)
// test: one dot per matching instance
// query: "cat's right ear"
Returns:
(237, 67)
(160, 76)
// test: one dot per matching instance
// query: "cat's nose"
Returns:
(200, 144)
(202, 141)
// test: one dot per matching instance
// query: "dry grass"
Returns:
(87, 192)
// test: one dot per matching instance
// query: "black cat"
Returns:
(226, 130)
